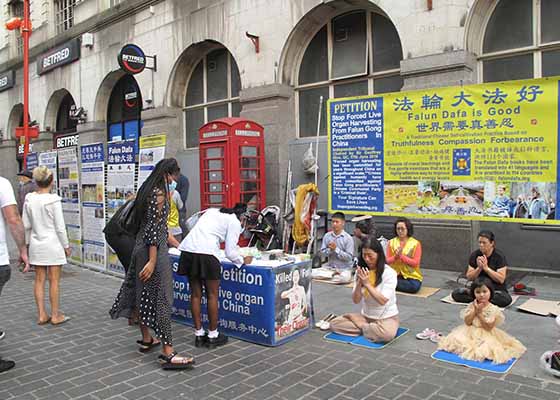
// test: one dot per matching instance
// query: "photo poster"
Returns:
(121, 158)
(292, 313)
(93, 205)
(49, 160)
(152, 150)
(479, 152)
(68, 190)
(32, 161)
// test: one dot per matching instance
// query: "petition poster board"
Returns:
(49, 160)
(68, 190)
(152, 150)
(483, 152)
(121, 157)
(93, 204)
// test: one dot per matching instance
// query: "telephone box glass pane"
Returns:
(249, 174)
(251, 199)
(249, 163)
(215, 188)
(249, 151)
(215, 164)
(215, 152)
(215, 199)
(249, 186)
(214, 176)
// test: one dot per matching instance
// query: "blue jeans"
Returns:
(408, 285)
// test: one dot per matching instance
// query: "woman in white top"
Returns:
(45, 234)
(200, 262)
(374, 286)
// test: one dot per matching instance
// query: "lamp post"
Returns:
(25, 29)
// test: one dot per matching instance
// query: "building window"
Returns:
(212, 92)
(16, 10)
(64, 11)
(124, 111)
(354, 54)
(521, 41)
(64, 124)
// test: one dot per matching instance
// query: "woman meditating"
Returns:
(374, 287)
(403, 255)
(479, 338)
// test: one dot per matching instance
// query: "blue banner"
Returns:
(121, 152)
(92, 153)
(32, 161)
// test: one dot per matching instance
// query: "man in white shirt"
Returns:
(9, 216)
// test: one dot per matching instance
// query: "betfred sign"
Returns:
(63, 141)
(59, 56)
(132, 59)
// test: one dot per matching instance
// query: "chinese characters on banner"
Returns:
(32, 161)
(152, 150)
(68, 189)
(120, 186)
(486, 152)
(93, 204)
(48, 159)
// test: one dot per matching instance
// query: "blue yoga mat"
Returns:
(485, 365)
(361, 340)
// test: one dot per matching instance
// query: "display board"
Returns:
(485, 152)
(32, 161)
(68, 189)
(49, 160)
(152, 150)
(93, 204)
(120, 187)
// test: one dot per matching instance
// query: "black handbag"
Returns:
(120, 232)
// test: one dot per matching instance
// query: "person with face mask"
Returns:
(26, 186)
(173, 220)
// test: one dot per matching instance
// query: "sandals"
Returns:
(145, 347)
(431, 334)
(64, 320)
(179, 363)
(324, 324)
(44, 322)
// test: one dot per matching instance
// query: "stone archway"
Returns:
(309, 25)
(104, 94)
(53, 107)
(475, 26)
(14, 120)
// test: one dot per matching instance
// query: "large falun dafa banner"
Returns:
(487, 152)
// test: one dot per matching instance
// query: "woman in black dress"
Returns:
(148, 285)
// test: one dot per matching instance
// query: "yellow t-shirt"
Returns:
(402, 269)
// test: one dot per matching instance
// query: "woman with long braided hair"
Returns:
(148, 285)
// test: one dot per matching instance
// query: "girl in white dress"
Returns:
(45, 234)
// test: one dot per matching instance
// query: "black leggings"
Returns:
(501, 298)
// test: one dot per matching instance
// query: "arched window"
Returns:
(125, 107)
(63, 122)
(517, 45)
(212, 92)
(354, 54)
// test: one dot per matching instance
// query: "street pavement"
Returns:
(94, 357)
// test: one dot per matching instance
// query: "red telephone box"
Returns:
(232, 164)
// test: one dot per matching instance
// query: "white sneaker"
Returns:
(2, 334)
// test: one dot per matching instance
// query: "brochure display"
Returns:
(152, 150)
(261, 304)
(68, 185)
(49, 160)
(93, 205)
(120, 187)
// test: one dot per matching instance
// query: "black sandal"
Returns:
(167, 362)
(147, 346)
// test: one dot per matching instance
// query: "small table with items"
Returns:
(267, 302)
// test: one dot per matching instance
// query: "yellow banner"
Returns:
(486, 151)
(153, 141)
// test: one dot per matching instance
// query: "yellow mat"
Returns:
(425, 292)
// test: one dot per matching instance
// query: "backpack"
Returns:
(120, 232)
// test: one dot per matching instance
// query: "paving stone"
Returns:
(360, 391)
(261, 379)
(329, 391)
(350, 378)
(391, 391)
(423, 390)
(523, 380)
(296, 391)
(503, 395)
(541, 394)
(555, 387)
